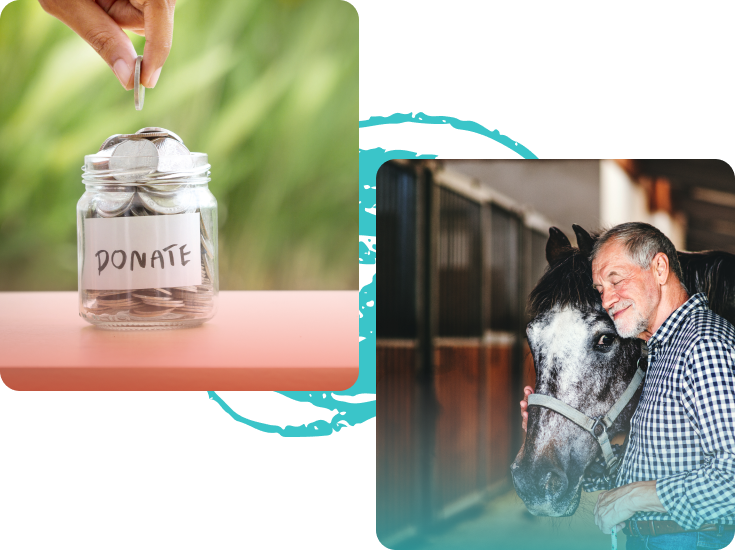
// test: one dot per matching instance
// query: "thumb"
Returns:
(100, 31)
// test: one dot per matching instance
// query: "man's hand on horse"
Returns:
(616, 506)
(528, 390)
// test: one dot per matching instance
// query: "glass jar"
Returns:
(147, 235)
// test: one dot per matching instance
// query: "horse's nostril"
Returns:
(555, 484)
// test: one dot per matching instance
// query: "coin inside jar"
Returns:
(111, 205)
(159, 130)
(150, 311)
(111, 142)
(133, 159)
(173, 156)
(170, 203)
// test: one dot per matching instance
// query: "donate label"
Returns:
(142, 252)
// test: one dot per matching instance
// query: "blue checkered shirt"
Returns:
(683, 431)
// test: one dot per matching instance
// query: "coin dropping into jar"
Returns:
(138, 88)
(147, 228)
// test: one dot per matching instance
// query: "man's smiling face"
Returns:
(630, 294)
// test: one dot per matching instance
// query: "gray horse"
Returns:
(582, 362)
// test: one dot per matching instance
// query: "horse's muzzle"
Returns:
(544, 488)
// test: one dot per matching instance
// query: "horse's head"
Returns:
(580, 360)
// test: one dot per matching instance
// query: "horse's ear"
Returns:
(557, 246)
(585, 242)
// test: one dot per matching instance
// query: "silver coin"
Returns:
(205, 218)
(149, 135)
(111, 214)
(111, 205)
(208, 268)
(161, 189)
(134, 159)
(159, 130)
(137, 208)
(149, 311)
(173, 156)
(207, 246)
(176, 203)
(198, 303)
(112, 141)
(101, 164)
(153, 292)
(138, 89)
(183, 290)
(161, 303)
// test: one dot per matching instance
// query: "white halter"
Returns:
(596, 426)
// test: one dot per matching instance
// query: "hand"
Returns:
(616, 506)
(101, 24)
(528, 390)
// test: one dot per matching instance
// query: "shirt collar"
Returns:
(671, 324)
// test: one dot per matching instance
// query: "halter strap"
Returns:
(593, 424)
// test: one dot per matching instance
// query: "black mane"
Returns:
(566, 283)
(711, 272)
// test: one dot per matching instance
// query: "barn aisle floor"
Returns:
(505, 524)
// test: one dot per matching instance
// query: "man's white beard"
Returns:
(634, 326)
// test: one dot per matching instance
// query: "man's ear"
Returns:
(660, 265)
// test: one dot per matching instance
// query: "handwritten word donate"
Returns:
(119, 258)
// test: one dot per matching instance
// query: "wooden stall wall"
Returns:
(457, 452)
(498, 391)
(452, 276)
(396, 439)
(398, 353)
(457, 355)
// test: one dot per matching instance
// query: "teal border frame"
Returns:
(351, 412)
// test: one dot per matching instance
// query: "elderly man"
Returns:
(676, 485)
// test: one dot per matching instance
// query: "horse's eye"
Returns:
(606, 340)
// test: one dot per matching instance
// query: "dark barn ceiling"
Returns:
(704, 190)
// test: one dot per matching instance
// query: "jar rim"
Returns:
(137, 170)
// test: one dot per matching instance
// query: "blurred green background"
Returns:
(268, 89)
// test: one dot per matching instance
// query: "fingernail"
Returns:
(122, 71)
(154, 78)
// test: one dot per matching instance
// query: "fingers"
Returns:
(159, 31)
(597, 504)
(605, 513)
(598, 511)
(98, 29)
(528, 390)
(599, 521)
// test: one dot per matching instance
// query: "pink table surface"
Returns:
(269, 340)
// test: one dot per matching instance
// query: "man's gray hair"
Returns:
(642, 242)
